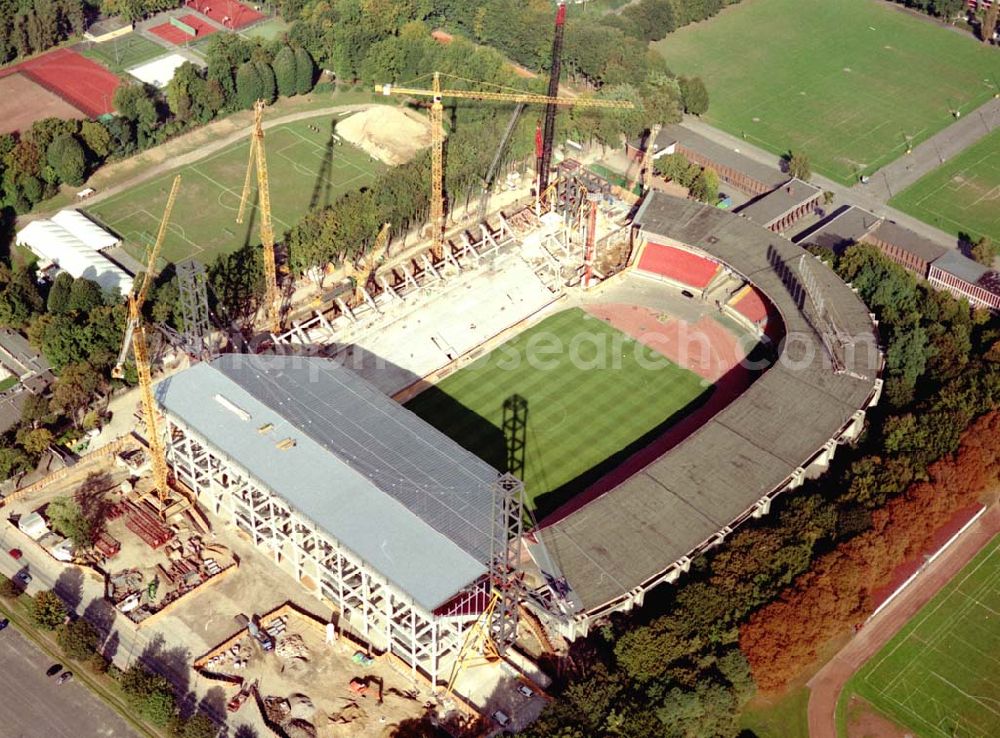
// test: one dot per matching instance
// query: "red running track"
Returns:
(229, 13)
(177, 37)
(82, 83)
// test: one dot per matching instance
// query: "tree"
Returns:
(35, 441)
(199, 726)
(13, 461)
(9, 589)
(66, 156)
(284, 71)
(249, 85)
(73, 390)
(47, 610)
(78, 639)
(989, 27)
(35, 410)
(136, 103)
(268, 86)
(706, 186)
(59, 293)
(984, 250)
(305, 71)
(799, 167)
(149, 694)
(69, 520)
(85, 295)
(694, 96)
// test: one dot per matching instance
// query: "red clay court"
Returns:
(229, 13)
(177, 37)
(84, 84)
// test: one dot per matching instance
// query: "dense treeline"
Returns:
(31, 26)
(674, 668)
(835, 594)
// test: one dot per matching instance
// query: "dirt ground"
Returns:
(22, 102)
(864, 722)
(391, 135)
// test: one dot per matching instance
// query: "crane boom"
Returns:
(147, 279)
(545, 161)
(272, 315)
(437, 129)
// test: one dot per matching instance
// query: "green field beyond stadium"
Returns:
(847, 82)
(590, 392)
(204, 219)
(962, 195)
(940, 675)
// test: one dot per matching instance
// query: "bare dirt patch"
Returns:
(391, 135)
(23, 101)
(865, 722)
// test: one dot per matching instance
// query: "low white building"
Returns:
(73, 242)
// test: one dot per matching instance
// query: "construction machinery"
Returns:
(645, 173)
(437, 95)
(258, 163)
(545, 155)
(478, 648)
(362, 275)
(136, 334)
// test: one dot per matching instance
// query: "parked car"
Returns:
(15, 553)
(4, 623)
(23, 577)
(66, 676)
(502, 718)
(53, 670)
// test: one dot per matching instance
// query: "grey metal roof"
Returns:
(910, 241)
(398, 493)
(961, 266)
(779, 202)
(846, 227)
(673, 133)
(633, 531)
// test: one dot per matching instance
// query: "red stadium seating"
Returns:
(678, 265)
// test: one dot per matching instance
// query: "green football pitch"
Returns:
(849, 83)
(961, 196)
(591, 394)
(940, 675)
(203, 224)
(125, 52)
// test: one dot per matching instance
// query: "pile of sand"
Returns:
(391, 135)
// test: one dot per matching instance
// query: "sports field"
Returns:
(124, 52)
(590, 392)
(204, 219)
(962, 195)
(940, 675)
(849, 83)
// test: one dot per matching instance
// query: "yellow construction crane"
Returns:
(135, 334)
(646, 166)
(272, 315)
(362, 275)
(437, 130)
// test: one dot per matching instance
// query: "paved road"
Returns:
(32, 705)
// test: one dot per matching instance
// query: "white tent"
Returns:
(33, 525)
(54, 243)
(85, 229)
(158, 72)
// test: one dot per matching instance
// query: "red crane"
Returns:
(545, 158)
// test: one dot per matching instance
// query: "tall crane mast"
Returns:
(545, 161)
(272, 314)
(136, 336)
(437, 95)
(645, 173)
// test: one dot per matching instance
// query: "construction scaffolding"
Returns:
(192, 303)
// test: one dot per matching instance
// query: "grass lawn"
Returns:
(939, 675)
(268, 30)
(787, 717)
(125, 52)
(962, 195)
(591, 392)
(204, 219)
(845, 82)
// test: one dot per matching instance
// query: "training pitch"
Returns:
(124, 52)
(590, 392)
(849, 83)
(962, 195)
(940, 675)
(204, 225)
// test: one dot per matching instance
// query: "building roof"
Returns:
(79, 225)
(52, 242)
(848, 226)
(909, 241)
(630, 534)
(721, 155)
(961, 266)
(398, 493)
(778, 203)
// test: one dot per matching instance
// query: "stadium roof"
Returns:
(398, 493)
(631, 534)
(847, 227)
(79, 225)
(52, 242)
(907, 240)
(961, 266)
(779, 202)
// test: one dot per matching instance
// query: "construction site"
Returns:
(340, 565)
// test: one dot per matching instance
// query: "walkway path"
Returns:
(826, 686)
